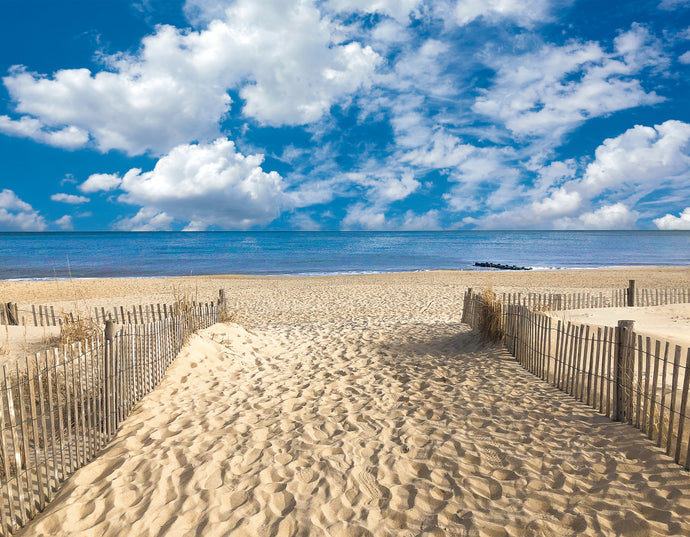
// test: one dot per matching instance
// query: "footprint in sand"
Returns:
(490, 451)
(374, 493)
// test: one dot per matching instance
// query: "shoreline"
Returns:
(340, 273)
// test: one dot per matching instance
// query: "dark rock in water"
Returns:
(500, 266)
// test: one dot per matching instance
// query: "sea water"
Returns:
(127, 254)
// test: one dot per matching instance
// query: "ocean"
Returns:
(127, 254)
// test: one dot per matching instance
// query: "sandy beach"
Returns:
(362, 406)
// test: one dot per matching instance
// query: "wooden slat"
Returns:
(662, 409)
(556, 354)
(16, 449)
(94, 349)
(8, 523)
(61, 421)
(75, 408)
(599, 374)
(84, 358)
(647, 376)
(655, 377)
(582, 350)
(43, 407)
(50, 409)
(674, 387)
(571, 359)
(33, 417)
(24, 430)
(638, 387)
(683, 410)
(608, 360)
(590, 367)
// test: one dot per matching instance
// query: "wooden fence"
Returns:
(45, 315)
(610, 298)
(629, 377)
(59, 408)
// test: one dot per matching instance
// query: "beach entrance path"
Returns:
(369, 427)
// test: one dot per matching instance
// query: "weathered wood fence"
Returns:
(611, 298)
(45, 315)
(58, 409)
(629, 377)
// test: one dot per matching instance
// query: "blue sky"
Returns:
(344, 114)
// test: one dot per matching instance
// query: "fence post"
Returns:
(107, 384)
(623, 371)
(631, 293)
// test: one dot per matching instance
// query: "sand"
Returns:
(670, 323)
(361, 406)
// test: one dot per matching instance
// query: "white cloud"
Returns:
(616, 216)
(17, 215)
(428, 221)
(65, 222)
(522, 12)
(205, 185)
(685, 58)
(625, 170)
(557, 204)
(69, 198)
(100, 182)
(549, 92)
(442, 151)
(359, 216)
(641, 159)
(26, 127)
(147, 219)
(670, 222)
(282, 56)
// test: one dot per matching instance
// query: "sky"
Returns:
(200, 115)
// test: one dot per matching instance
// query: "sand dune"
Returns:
(389, 426)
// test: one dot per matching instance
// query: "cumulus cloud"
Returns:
(283, 57)
(670, 222)
(605, 193)
(147, 219)
(69, 198)
(685, 58)
(361, 216)
(553, 90)
(616, 216)
(17, 215)
(70, 137)
(100, 182)
(641, 159)
(428, 221)
(205, 185)
(65, 223)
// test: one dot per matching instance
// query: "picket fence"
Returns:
(610, 298)
(628, 377)
(59, 408)
(45, 315)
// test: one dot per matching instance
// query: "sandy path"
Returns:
(368, 427)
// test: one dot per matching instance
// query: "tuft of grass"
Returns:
(490, 327)
(184, 299)
(78, 329)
